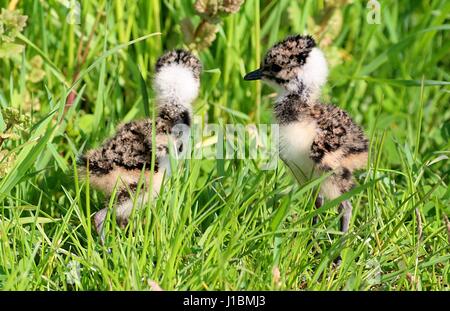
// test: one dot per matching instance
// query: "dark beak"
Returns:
(254, 75)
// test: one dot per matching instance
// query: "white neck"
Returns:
(312, 76)
(176, 84)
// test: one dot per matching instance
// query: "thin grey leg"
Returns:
(318, 203)
(99, 219)
(345, 209)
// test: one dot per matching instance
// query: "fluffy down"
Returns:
(175, 83)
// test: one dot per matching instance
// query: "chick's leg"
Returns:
(99, 219)
(123, 208)
(345, 209)
(318, 204)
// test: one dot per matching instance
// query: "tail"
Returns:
(177, 79)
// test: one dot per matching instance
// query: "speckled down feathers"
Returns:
(120, 160)
(335, 128)
(129, 148)
(330, 140)
(180, 57)
(290, 52)
(282, 62)
(337, 131)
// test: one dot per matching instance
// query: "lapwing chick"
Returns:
(315, 138)
(125, 159)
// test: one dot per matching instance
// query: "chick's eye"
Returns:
(275, 68)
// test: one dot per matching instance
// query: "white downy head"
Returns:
(177, 78)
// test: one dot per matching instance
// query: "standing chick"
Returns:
(314, 138)
(124, 157)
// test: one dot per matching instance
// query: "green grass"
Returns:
(227, 224)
